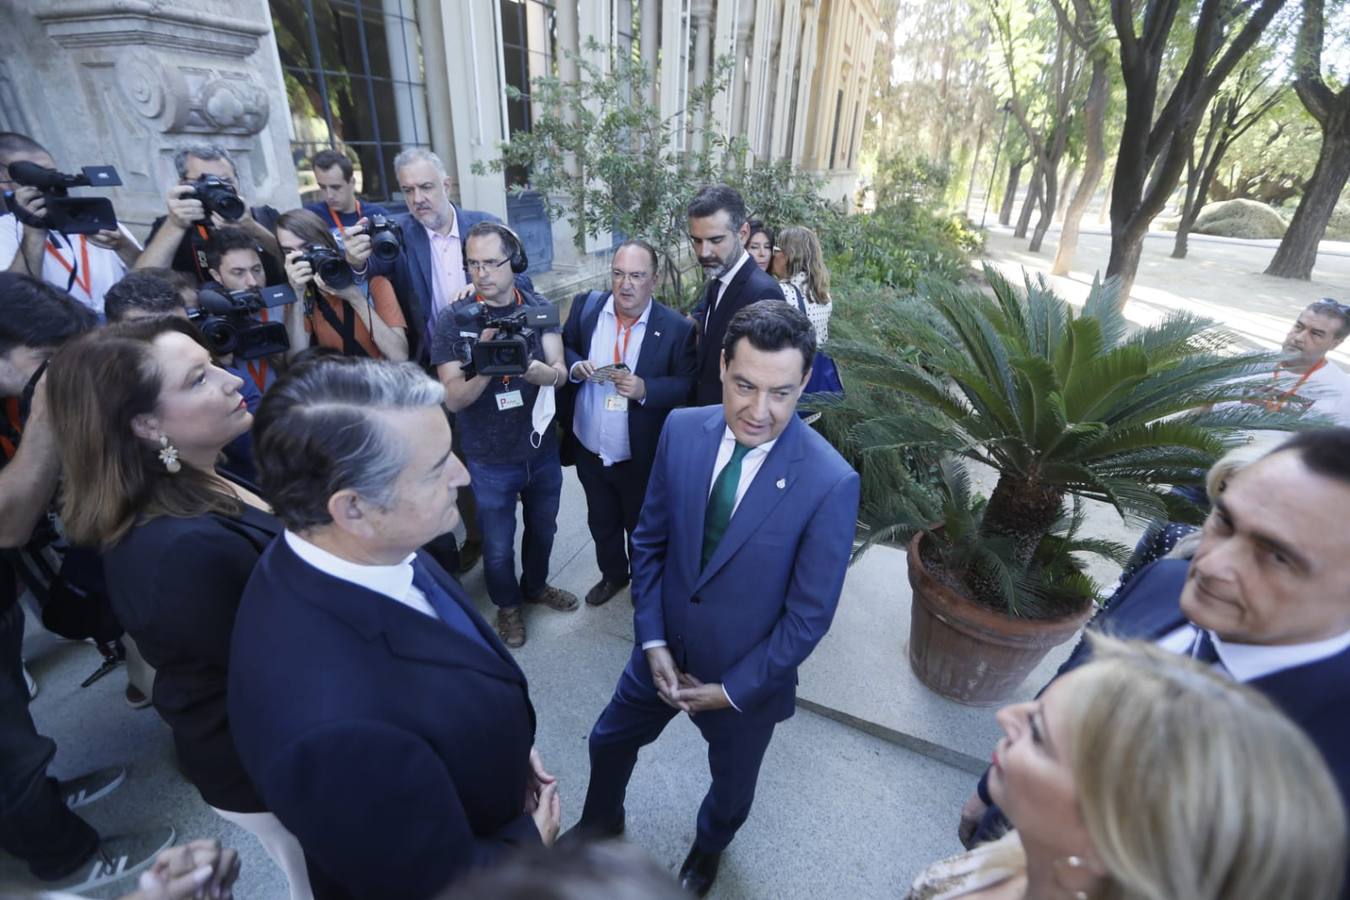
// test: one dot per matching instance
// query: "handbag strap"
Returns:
(801, 299)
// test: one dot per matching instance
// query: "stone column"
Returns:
(806, 75)
(438, 87)
(569, 40)
(790, 38)
(476, 99)
(674, 81)
(128, 82)
(701, 12)
(740, 80)
(649, 30)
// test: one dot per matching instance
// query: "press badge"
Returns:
(509, 400)
(615, 403)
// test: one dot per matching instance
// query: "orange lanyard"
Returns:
(8, 443)
(627, 333)
(70, 268)
(520, 301)
(257, 368)
(337, 223)
(1278, 403)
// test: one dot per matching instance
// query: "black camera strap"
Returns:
(344, 325)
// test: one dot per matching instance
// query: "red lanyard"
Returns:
(506, 379)
(70, 267)
(338, 222)
(8, 443)
(627, 333)
(1278, 403)
(257, 368)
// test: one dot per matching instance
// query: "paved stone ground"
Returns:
(859, 791)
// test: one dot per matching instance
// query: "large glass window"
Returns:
(354, 80)
(529, 51)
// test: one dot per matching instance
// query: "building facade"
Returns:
(128, 82)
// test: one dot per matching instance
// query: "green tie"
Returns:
(721, 502)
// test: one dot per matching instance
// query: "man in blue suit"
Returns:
(377, 714)
(718, 230)
(1266, 597)
(631, 361)
(738, 561)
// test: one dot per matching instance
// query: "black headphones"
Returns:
(510, 240)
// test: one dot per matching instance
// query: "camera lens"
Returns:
(220, 335)
(334, 272)
(385, 247)
(225, 202)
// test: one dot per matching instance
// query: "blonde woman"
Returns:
(800, 266)
(1145, 776)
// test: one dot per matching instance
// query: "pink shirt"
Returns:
(447, 268)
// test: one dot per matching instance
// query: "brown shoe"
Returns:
(511, 627)
(553, 598)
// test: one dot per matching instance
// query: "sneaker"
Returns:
(30, 681)
(117, 857)
(136, 698)
(94, 786)
(511, 627)
(554, 598)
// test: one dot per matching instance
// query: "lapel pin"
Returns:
(657, 333)
(782, 483)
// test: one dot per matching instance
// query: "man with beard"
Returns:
(1305, 378)
(718, 230)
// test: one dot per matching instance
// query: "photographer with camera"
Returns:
(206, 198)
(336, 178)
(500, 362)
(255, 334)
(37, 824)
(82, 265)
(356, 320)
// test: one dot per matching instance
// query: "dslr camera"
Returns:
(329, 265)
(225, 319)
(217, 196)
(508, 353)
(66, 214)
(386, 238)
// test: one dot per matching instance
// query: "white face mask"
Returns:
(544, 406)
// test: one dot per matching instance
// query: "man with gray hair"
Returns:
(377, 713)
(178, 239)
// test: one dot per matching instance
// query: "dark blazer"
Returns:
(750, 284)
(1316, 696)
(176, 585)
(666, 364)
(411, 274)
(770, 590)
(393, 747)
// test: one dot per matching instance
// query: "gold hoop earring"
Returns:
(168, 454)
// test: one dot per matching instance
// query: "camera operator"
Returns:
(506, 426)
(235, 262)
(82, 265)
(37, 824)
(178, 240)
(357, 320)
(336, 178)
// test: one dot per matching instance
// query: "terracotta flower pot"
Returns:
(967, 652)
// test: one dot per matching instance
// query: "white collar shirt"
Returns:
(726, 278)
(447, 267)
(1248, 662)
(750, 464)
(394, 582)
(601, 430)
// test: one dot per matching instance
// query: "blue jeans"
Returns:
(497, 486)
(35, 824)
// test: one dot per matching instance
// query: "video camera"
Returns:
(66, 214)
(508, 353)
(329, 265)
(225, 319)
(217, 195)
(386, 238)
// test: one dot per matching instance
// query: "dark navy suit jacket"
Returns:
(666, 364)
(769, 592)
(411, 274)
(750, 285)
(1316, 696)
(394, 748)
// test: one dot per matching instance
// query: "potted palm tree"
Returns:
(1055, 407)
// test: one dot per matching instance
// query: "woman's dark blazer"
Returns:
(175, 585)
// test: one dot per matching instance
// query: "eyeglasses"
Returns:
(486, 265)
(633, 278)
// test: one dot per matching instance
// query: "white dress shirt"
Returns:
(725, 278)
(447, 268)
(604, 431)
(1248, 662)
(105, 266)
(751, 463)
(394, 582)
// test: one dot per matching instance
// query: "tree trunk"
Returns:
(1010, 191)
(1094, 161)
(1033, 198)
(1127, 246)
(1048, 197)
(1298, 250)
(1023, 511)
(1066, 193)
